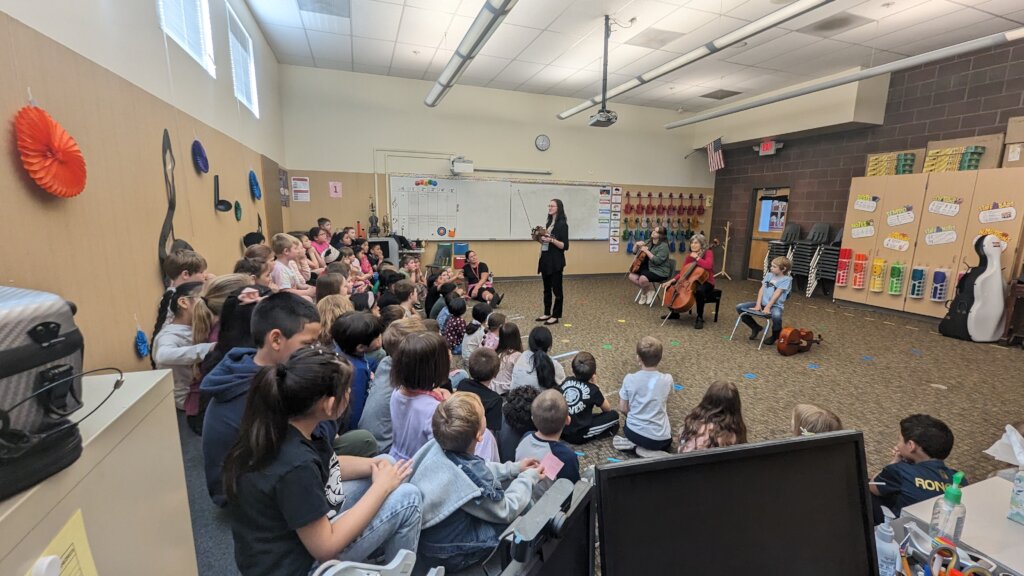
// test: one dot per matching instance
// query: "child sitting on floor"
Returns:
(475, 330)
(918, 471)
(582, 395)
(643, 398)
(467, 501)
(771, 298)
(510, 348)
(173, 346)
(809, 420)
(717, 421)
(483, 365)
(454, 328)
(287, 250)
(550, 414)
(494, 323)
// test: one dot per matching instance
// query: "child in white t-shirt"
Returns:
(643, 399)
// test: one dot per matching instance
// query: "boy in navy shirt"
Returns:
(357, 334)
(917, 471)
(551, 415)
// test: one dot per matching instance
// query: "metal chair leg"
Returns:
(657, 288)
(767, 328)
(737, 325)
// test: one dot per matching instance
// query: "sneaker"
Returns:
(698, 324)
(645, 453)
(622, 443)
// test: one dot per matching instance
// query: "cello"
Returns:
(679, 296)
(641, 256)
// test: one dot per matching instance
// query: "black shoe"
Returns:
(771, 339)
(755, 331)
(497, 300)
(698, 324)
(671, 316)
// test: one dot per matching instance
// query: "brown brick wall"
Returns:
(969, 95)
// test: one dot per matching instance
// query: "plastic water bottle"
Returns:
(886, 547)
(948, 514)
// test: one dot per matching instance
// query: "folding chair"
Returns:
(753, 314)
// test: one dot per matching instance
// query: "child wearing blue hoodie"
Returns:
(467, 501)
(281, 324)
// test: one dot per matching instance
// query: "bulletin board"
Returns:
(944, 224)
(896, 232)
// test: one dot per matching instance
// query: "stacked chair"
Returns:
(825, 264)
(805, 252)
(783, 246)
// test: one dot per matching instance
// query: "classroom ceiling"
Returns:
(555, 46)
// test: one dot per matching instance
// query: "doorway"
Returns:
(771, 207)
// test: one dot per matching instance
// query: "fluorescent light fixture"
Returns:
(781, 15)
(941, 53)
(487, 21)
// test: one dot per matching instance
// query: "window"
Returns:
(188, 23)
(243, 66)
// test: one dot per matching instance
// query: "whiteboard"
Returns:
(432, 208)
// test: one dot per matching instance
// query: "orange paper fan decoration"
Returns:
(48, 153)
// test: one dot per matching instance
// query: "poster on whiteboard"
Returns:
(300, 189)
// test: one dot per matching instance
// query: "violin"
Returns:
(641, 256)
(794, 340)
(538, 232)
(679, 297)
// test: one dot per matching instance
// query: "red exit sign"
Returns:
(767, 148)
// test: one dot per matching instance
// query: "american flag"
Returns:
(715, 160)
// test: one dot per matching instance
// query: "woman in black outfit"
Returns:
(553, 245)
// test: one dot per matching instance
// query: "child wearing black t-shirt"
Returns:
(582, 395)
(292, 502)
(918, 471)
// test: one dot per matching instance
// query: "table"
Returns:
(129, 484)
(987, 529)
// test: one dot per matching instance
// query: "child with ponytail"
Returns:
(210, 304)
(293, 503)
(475, 331)
(535, 368)
(173, 346)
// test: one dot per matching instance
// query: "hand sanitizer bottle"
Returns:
(948, 514)
(886, 547)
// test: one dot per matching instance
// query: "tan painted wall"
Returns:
(100, 248)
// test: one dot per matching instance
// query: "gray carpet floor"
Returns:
(873, 369)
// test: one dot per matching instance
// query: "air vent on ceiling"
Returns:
(654, 38)
(340, 8)
(720, 94)
(835, 24)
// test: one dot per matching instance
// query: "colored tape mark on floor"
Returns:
(674, 343)
(606, 346)
(621, 321)
(750, 375)
(578, 453)
(813, 366)
(567, 325)
(939, 386)
(911, 328)
(867, 358)
(563, 341)
(610, 459)
(677, 386)
(916, 352)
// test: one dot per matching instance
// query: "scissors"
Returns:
(942, 554)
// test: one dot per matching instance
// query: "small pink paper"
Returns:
(552, 465)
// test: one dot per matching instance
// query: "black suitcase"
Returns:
(41, 352)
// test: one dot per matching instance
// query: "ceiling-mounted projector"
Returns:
(603, 118)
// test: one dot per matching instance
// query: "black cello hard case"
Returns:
(954, 324)
(41, 353)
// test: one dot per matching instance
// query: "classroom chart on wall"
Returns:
(437, 208)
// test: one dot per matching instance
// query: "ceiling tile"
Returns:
(276, 12)
(503, 85)
(647, 62)
(582, 53)
(795, 58)
(295, 60)
(518, 72)
(370, 52)
(405, 73)
(822, 12)
(470, 8)
(712, 30)
(334, 64)
(547, 77)
(778, 47)
(594, 88)
(771, 81)
(912, 16)
(446, 6)
(685, 20)
(937, 26)
(536, 13)
(440, 60)
(508, 41)
(704, 72)
(326, 23)
(423, 27)
(372, 19)
(1000, 7)
(715, 6)
(624, 55)
(485, 68)
(851, 57)
(331, 46)
(647, 13)
(412, 58)
(580, 80)
(753, 9)
(456, 31)
(585, 17)
(286, 40)
(473, 81)
(548, 46)
(955, 36)
(877, 9)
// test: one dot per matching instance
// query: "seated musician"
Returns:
(655, 266)
(478, 280)
(705, 259)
